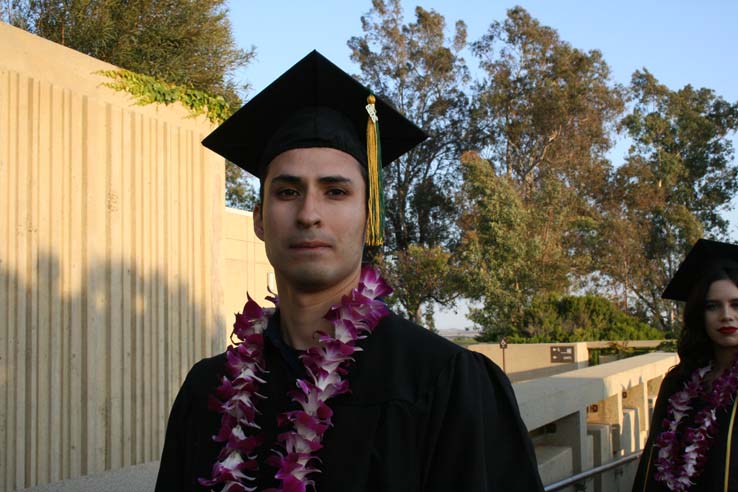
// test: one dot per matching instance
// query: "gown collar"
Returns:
(290, 355)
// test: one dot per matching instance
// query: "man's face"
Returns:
(312, 217)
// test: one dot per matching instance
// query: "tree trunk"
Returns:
(418, 316)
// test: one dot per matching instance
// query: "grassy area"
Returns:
(464, 341)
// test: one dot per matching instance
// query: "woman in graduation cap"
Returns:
(331, 391)
(692, 445)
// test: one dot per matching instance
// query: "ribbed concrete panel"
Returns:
(110, 282)
(246, 265)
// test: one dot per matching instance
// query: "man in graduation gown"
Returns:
(415, 411)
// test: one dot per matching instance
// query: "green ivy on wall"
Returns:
(147, 90)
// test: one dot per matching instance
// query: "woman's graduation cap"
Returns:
(316, 104)
(705, 256)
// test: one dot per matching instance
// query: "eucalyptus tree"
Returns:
(677, 179)
(417, 68)
(547, 112)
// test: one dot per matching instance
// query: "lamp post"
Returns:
(503, 346)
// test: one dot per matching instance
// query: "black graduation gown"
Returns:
(423, 414)
(712, 478)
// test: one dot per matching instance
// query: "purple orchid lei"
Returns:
(682, 460)
(326, 364)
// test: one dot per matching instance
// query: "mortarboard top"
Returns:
(283, 116)
(704, 256)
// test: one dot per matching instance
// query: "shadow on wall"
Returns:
(91, 358)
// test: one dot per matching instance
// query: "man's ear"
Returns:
(258, 222)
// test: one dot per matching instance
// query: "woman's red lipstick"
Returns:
(727, 330)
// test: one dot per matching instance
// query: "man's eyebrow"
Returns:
(338, 179)
(287, 178)
(332, 179)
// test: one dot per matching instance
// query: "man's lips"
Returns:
(308, 245)
(727, 330)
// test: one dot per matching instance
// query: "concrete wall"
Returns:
(245, 265)
(599, 412)
(525, 361)
(110, 242)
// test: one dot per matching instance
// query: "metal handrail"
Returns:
(591, 472)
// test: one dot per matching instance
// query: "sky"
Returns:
(680, 42)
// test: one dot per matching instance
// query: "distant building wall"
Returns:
(522, 361)
(245, 265)
(110, 273)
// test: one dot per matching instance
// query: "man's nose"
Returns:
(308, 214)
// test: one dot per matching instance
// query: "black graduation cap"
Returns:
(704, 256)
(316, 104)
(313, 82)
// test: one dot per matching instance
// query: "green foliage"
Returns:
(178, 41)
(667, 346)
(418, 69)
(546, 112)
(148, 90)
(683, 138)
(420, 275)
(507, 262)
(465, 341)
(15, 12)
(547, 108)
(240, 193)
(498, 270)
(556, 318)
(677, 177)
(169, 50)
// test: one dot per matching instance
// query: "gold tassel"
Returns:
(375, 215)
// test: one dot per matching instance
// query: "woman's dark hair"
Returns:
(694, 346)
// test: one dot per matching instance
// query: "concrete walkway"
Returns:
(138, 478)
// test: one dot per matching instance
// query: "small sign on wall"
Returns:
(562, 353)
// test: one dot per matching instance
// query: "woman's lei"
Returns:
(326, 364)
(682, 460)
